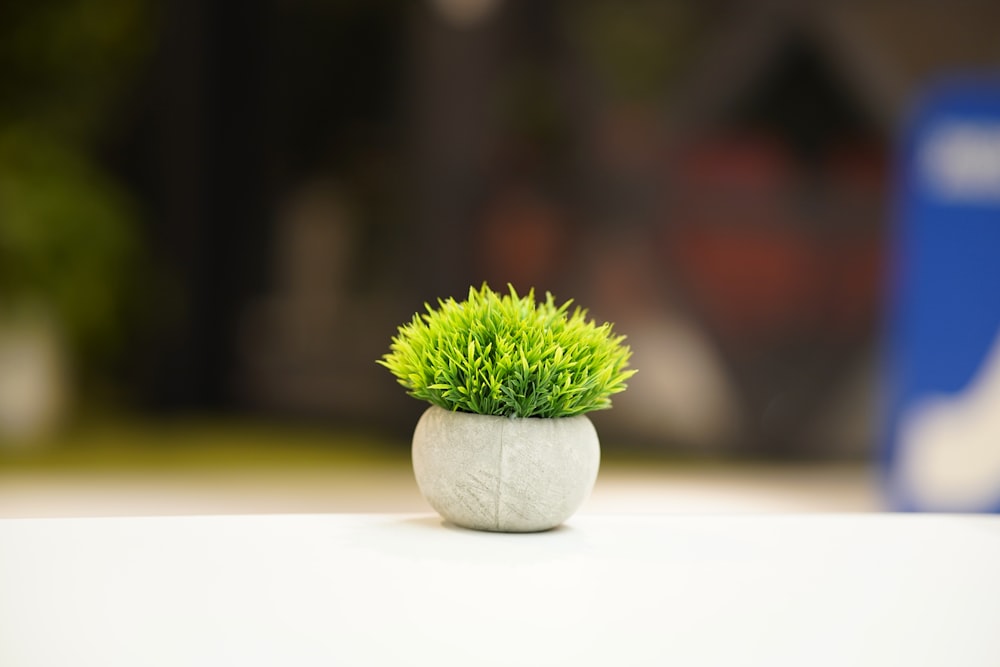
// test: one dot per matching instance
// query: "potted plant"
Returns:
(506, 444)
(67, 259)
(68, 236)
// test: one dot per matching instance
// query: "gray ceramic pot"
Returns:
(504, 474)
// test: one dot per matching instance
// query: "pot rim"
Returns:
(584, 415)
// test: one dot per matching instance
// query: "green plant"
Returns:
(66, 239)
(509, 356)
(69, 236)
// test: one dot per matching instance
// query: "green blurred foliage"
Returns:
(68, 237)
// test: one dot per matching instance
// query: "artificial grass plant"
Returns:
(508, 355)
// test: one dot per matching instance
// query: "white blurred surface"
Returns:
(404, 589)
(635, 489)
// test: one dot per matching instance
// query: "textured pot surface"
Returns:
(504, 474)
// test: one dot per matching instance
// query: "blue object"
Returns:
(942, 442)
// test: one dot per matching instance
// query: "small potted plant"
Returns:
(67, 266)
(506, 444)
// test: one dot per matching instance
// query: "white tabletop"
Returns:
(406, 590)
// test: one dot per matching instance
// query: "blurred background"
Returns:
(214, 215)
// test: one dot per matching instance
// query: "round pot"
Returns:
(504, 474)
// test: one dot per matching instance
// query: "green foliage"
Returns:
(509, 356)
(68, 236)
(66, 239)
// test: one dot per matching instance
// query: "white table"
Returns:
(375, 589)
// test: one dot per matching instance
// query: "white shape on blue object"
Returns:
(952, 456)
(961, 161)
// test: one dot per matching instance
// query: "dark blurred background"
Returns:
(223, 210)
